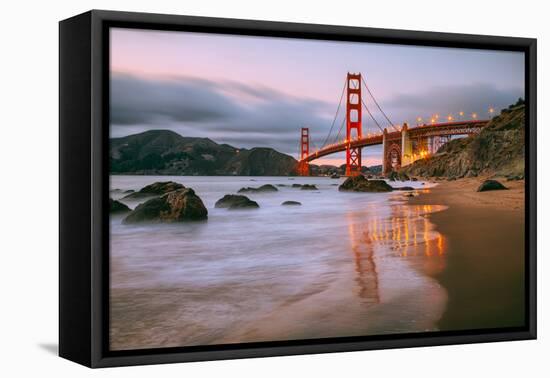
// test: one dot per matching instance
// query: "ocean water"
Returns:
(342, 264)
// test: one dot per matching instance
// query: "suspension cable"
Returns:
(336, 115)
(376, 102)
(370, 114)
(339, 131)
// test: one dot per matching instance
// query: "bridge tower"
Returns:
(353, 124)
(386, 168)
(303, 166)
(406, 146)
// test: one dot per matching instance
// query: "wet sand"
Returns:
(484, 276)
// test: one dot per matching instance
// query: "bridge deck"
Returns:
(426, 130)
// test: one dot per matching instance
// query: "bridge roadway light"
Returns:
(491, 110)
(461, 113)
(474, 115)
(450, 117)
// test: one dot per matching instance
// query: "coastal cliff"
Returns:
(499, 149)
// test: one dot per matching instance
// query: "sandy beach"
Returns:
(484, 276)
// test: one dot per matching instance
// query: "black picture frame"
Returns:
(83, 181)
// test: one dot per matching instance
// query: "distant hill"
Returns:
(498, 149)
(164, 152)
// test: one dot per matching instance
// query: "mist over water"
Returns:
(342, 264)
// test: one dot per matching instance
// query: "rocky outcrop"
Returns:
(401, 176)
(117, 207)
(235, 201)
(490, 185)
(262, 189)
(155, 189)
(291, 203)
(361, 184)
(176, 206)
(404, 188)
(308, 187)
(499, 149)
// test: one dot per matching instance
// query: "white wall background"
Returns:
(29, 186)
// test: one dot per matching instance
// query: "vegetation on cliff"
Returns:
(499, 149)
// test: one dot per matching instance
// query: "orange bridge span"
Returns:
(402, 145)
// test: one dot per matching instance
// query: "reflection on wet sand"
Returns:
(408, 233)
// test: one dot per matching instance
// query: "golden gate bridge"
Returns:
(402, 145)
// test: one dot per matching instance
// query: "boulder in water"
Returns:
(155, 189)
(176, 206)
(308, 187)
(262, 189)
(117, 207)
(291, 203)
(361, 184)
(491, 185)
(235, 201)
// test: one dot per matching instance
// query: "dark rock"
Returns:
(129, 191)
(282, 185)
(175, 206)
(451, 178)
(335, 176)
(116, 207)
(291, 203)
(262, 189)
(361, 184)
(235, 201)
(404, 188)
(514, 177)
(409, 195)
(155, 189)
(491, 185)
(296, 185)
(414, 179)
(393, 176)
(403, 176)
(308, 187)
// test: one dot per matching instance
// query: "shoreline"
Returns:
(484, 274)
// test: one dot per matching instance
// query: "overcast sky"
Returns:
(259, 92)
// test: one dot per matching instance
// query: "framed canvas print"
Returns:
(233, 188)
